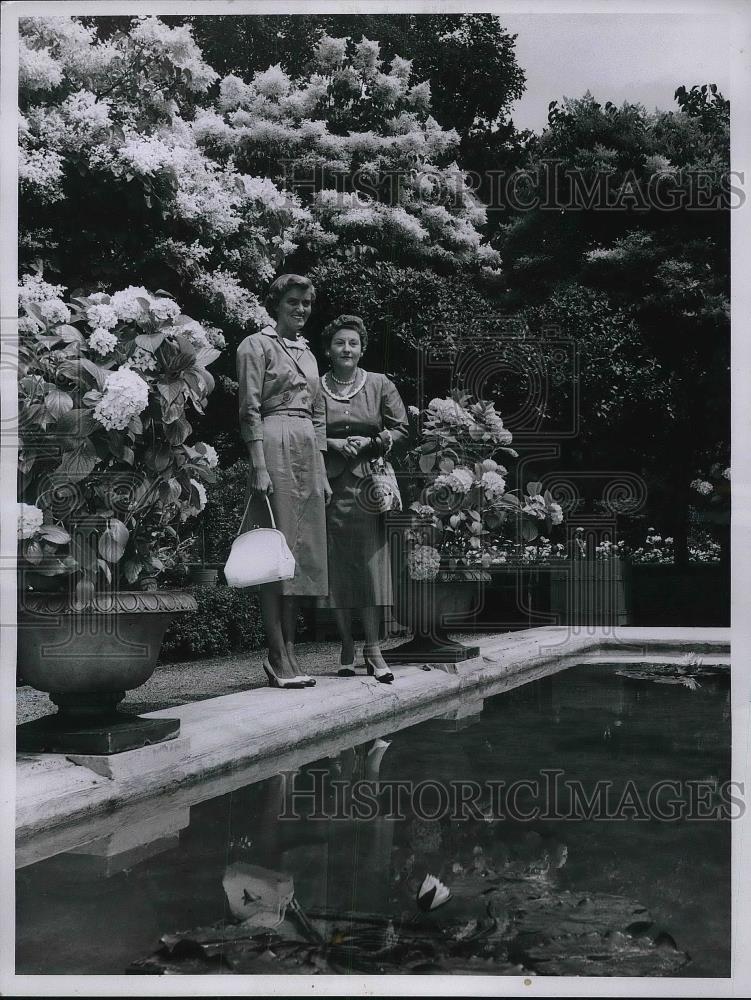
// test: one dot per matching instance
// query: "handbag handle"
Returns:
(247, 508)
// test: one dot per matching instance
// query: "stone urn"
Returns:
(86, 661)
(432, 608)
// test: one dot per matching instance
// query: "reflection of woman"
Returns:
(364, 418)
(282, 420)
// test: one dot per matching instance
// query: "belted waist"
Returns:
(285, 412)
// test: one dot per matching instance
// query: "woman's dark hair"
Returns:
(281, 286)
(345, 322)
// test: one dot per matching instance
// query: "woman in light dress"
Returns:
(283, 422)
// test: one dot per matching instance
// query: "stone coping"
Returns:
(230, 741)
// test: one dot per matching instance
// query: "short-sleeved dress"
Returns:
(281, 404)
(358, 556)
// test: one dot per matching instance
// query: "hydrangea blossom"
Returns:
(126, 304)
(423, 562)
(102, 341)
(164, 308)
(702, 486)
(494, 485)
(101, 315)
(126, 395)
(209, 455)
(30, 519)
(459, 480)
(53, 311)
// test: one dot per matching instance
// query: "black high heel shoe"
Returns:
(275, 681)
(384, 676)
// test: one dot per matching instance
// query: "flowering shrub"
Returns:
(465, 513)
(107, 473)
(212, 192)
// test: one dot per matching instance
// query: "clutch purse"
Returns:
(259, 556)
(384, 492)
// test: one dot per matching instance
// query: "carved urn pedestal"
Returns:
(86, 661)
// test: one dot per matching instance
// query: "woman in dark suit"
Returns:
(365, 418)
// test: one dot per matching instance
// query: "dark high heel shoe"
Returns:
(384, 676)
(275, 681)
(346, 669)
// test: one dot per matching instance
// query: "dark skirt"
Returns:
(293, 460)
(358, 556)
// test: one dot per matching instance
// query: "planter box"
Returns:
(693, 595)
(567, 592)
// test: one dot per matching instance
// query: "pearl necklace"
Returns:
(357, 383)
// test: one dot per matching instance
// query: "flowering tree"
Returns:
(136, 158)
(107, 470)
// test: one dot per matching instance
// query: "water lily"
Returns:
(432, 893)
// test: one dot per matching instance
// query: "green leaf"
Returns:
(177, 431)
(84, 371)
(113, 540)
(84, 594)
(33, 552)
(426, 462)
(158, 456)
(104, 567)
(534, 488)
(529, 531)
(136, 425)
(206, 356)
(70, 334)
(150, 341)
(132, 569)
(51, 533)
(78, 463)
(446, 465)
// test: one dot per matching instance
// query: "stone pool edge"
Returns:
(234, 739)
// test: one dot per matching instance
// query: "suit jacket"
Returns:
(374, 409)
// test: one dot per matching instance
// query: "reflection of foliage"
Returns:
(505, 918)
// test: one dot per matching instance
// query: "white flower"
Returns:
(273, 82)
(413, 411)
(126, 304)
(101, 315)
(423, 562)
(37, 69)
(432, 893)
(164, 308)
(493, 485)
(726, 473)
(55, 311)
(555, 512)
(201, 490)
(30, 519)
(702, 486)
(41, 170)
(102, 341)
(209, 455)
(126, 394)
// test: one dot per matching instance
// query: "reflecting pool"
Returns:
(580, 825)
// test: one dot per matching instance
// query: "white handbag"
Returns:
(258, 556)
